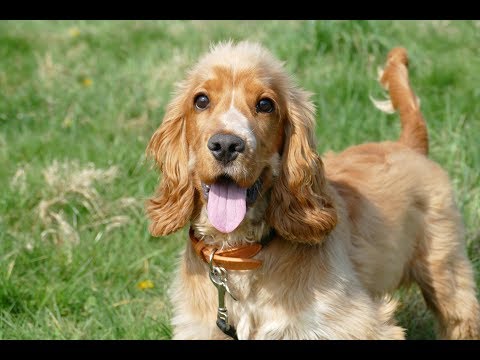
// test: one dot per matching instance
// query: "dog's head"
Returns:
(238, 129)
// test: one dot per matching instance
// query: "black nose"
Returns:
(225, 147)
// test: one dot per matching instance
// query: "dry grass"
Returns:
(71, 202)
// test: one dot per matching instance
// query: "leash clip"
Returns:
(218, 276)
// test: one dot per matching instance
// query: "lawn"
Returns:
(79, 101)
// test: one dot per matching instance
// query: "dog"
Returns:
(285, 244)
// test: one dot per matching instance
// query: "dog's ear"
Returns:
(172, 206)
(300, 210)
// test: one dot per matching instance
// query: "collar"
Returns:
(236, 258)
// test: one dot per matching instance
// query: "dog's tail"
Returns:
(395, 79)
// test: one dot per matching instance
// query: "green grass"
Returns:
(79, 101)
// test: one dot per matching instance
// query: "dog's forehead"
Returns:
(242, 62)
(227, 75)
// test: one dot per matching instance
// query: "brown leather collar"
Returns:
(236, 258)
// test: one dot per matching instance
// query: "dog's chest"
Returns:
(258, 310)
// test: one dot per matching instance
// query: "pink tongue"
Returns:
(226, 206)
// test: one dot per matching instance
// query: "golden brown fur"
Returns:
(351, 227)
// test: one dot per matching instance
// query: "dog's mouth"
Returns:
(227, 202)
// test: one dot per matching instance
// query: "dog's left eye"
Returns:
(265, 106)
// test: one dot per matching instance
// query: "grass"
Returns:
(79, 101)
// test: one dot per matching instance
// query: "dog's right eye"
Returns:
(201, 102)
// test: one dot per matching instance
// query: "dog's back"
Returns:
(402, 214)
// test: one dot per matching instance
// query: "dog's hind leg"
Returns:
(445, 274)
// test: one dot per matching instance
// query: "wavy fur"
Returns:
(300, 209)
(173, 205)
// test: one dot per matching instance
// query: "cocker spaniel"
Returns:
(284, 244)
